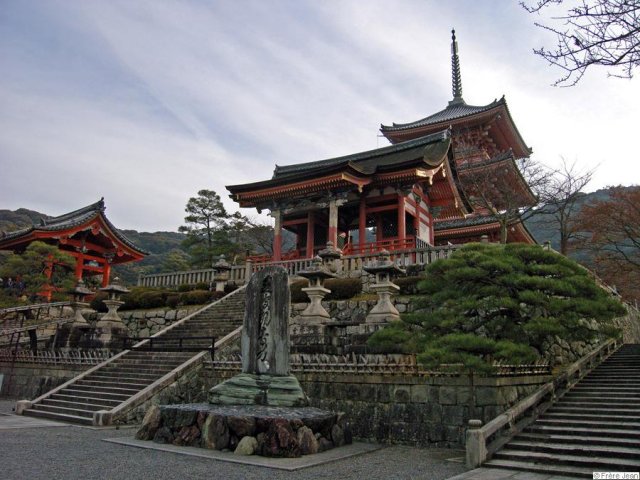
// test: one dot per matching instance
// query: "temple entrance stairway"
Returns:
(111, 385)
(595, 426)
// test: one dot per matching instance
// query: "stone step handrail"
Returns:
(108, 416)
(57, 357)
(484, 440)
(35, 306)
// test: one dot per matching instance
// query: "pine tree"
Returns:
(491, 302)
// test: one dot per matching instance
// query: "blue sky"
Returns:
(147, 102)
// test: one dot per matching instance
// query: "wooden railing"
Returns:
(375, 247)
(484, 440)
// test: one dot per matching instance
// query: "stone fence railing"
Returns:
(57, 357)
(378, 364)
(240, 273)
(484, 440)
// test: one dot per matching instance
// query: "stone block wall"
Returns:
(413, 410)
(144, 323)
(32, 380)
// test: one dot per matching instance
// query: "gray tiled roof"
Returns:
(455, 109)
(472, 221)
(363, 159)
(70, 220)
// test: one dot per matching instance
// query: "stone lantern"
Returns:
(383, 268)
(111, 326)
(221, 273)
(78, 304)
(113, 302)
(316, 273)
(330, 256)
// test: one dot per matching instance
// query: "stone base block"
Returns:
(250, 389)
(247, 430)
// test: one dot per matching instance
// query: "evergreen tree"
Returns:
(27, 272)
(492, 302)
(210, 229)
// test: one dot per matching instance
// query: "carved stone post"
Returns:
(383, 268)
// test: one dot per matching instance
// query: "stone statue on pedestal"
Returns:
(265, 378)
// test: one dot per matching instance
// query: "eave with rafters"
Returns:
(86, 234)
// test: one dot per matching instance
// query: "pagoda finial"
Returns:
(456, 79)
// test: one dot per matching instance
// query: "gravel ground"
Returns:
(79, 453)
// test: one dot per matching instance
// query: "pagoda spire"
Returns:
(456, 78)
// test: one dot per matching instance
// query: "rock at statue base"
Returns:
(215, 433)
(307, 441)
(150, 424)
(251, 389)
(246, 446)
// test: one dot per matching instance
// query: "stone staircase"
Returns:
(595, 426)
(110, 385)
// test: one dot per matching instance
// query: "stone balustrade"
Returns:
(351, 265)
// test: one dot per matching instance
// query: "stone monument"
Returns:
(265, 377)
(262, 410)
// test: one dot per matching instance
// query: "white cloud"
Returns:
(148, 102)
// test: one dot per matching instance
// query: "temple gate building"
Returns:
(419, 191)
(86, 234)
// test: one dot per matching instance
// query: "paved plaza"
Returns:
(34, 449)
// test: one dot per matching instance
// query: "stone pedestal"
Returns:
(317, 273)
(384, 311)
(78, 318)
(315, 312)
(383, 268)
(248, 389)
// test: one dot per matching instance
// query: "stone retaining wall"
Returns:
(413, 410)
(32, 380)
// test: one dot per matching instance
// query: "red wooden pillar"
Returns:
(379, 226)
(333, 223)
(48, 272)
(310, 234)
(362, 223)
(402, 227)
(277, 236)
(106, 273)
(79, 265)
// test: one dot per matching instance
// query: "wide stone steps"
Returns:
(117, 381)
(579, 460)
(574, 439)
(594, 427)
(617, 451)
(584, 431)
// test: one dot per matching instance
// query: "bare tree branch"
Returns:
(595, 32)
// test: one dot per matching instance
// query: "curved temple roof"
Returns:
(429, 151)
(69, 221)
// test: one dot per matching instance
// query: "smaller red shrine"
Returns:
(86, 234)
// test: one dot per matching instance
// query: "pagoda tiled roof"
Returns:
(477, 221)
(70, 220)
(455, 110)
(470, 221)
